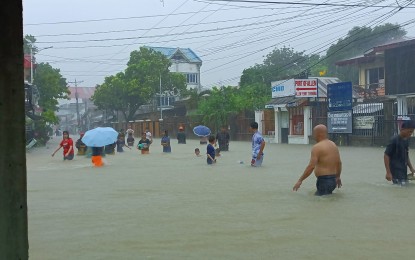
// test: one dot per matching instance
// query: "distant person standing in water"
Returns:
(165, 142)
(130, 136)
(67, 144)
(325, 162)
(181, 136)
(396, 158)
(223, 139)
(258, 145)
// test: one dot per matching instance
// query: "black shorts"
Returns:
(325, 184)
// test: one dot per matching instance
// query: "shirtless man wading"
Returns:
(326, 163)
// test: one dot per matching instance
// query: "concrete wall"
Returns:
(13, 190)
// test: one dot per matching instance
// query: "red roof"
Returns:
(83, 92)
(26, 61)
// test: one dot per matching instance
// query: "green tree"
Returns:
(28, 43)
(284, 63)
(253, 96)
(52, 86)
(139, 84)
(357, 41)
(217, 106)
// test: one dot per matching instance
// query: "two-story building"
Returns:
(184, 61)
(387, 70)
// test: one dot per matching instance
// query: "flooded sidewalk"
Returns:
(175, 206)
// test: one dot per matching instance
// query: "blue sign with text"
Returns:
(340, 96)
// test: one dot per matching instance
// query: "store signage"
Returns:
(282, 88)
(339, 122)
(306, 87)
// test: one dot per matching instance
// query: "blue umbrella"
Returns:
(100, 136)
(201, 130)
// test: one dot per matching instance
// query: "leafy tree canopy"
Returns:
(28, 42)
(357, 41)
(52, 86)
(218, 105)
(127, 91)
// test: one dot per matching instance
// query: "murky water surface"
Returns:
(174, 206)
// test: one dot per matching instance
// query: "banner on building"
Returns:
(306, 87)
(340, 96)
(339, 122)
(282, 88)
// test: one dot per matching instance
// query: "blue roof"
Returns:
(169, 52)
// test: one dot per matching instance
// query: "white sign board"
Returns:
(306, 87)
(283, 88)
(363, 122)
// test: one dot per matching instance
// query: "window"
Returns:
(192, 78)
(297, 120)
(374, 75)
(375, 81)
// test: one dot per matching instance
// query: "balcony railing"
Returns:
(370, 91)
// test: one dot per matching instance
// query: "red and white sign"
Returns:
(306, 87)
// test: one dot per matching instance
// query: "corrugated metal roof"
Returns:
(369, 55)
(170, 52)
(368, 108)
(284, 101)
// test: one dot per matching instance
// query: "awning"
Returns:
(290, 101)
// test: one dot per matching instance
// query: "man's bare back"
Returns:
(328, 158)
(324, 161)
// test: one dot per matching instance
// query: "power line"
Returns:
(310, 4)
(290, 64)
(176, 34)
(132, 17)
(144, 29)
(287, 66)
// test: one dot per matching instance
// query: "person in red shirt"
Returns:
(67, 145)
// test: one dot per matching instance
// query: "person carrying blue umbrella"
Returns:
(97, 139)
(203, 132)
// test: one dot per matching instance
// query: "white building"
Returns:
(296, 105)
(184, 61)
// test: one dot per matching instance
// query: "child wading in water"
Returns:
(210, 151)
(197, 152)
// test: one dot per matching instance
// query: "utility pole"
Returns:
(77, 103)
(31, 64)
(161, 109)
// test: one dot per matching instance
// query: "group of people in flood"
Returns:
(325, 160)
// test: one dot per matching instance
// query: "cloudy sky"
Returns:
(92, 39)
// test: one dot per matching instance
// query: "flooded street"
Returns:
(174, 206)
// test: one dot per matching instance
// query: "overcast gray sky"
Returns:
(92, 39)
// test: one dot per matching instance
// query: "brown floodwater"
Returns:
(174, 206)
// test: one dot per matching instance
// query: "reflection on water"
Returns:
(174, 206)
